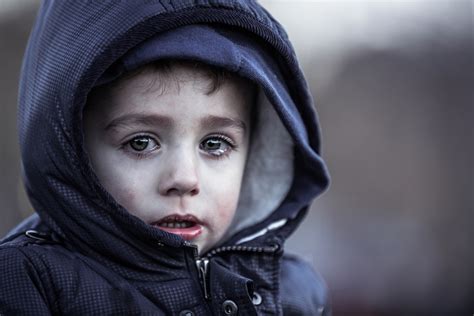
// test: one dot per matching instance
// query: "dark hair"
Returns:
(164, 69)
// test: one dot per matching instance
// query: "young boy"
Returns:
(170, 146)
(169, 149)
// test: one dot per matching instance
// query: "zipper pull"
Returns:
(202, 265)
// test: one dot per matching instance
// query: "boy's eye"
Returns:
(141, 143)
(217, 145)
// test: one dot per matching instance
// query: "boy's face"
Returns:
(173, 157)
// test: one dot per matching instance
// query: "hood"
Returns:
(77, 45)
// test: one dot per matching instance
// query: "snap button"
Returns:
(186, 313)
(229, 308)
(256, 299)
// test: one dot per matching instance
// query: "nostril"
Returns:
(172, 191)
(182, 190)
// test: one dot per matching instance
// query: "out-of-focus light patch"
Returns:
(324, 32)
(8, 7)
(375, 23)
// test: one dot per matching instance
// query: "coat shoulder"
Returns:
(303, 290)
(22, 291)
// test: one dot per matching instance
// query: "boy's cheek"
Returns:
(227, 205)
(127, 197)
(122, 188)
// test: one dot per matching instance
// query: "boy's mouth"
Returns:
(187, 226)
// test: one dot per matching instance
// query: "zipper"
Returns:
(202, 263)
(239, 248)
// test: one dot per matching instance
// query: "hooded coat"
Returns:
(83, 253)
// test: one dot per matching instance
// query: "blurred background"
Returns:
(393, 85)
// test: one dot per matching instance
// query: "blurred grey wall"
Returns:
(16, 19)
(392, 81)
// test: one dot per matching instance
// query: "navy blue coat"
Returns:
(83, 253)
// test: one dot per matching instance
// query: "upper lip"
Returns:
(178, 218)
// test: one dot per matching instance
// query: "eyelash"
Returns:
(232, 145)
(126, 146)
(144, 154)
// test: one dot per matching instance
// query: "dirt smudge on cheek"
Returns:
(126, 198)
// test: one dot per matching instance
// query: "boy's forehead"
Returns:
(148, 92)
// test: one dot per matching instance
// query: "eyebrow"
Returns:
(210, 121)
(139, 119)
(213, 121)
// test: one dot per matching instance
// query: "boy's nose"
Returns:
(179, 177)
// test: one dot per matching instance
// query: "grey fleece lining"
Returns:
(269, 170)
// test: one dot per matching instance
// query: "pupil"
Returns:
(212, 144)
(139, 144)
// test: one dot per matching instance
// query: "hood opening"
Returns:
(269, 170)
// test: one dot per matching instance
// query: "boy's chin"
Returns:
(202, 247)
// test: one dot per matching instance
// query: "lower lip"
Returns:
(188, 233)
